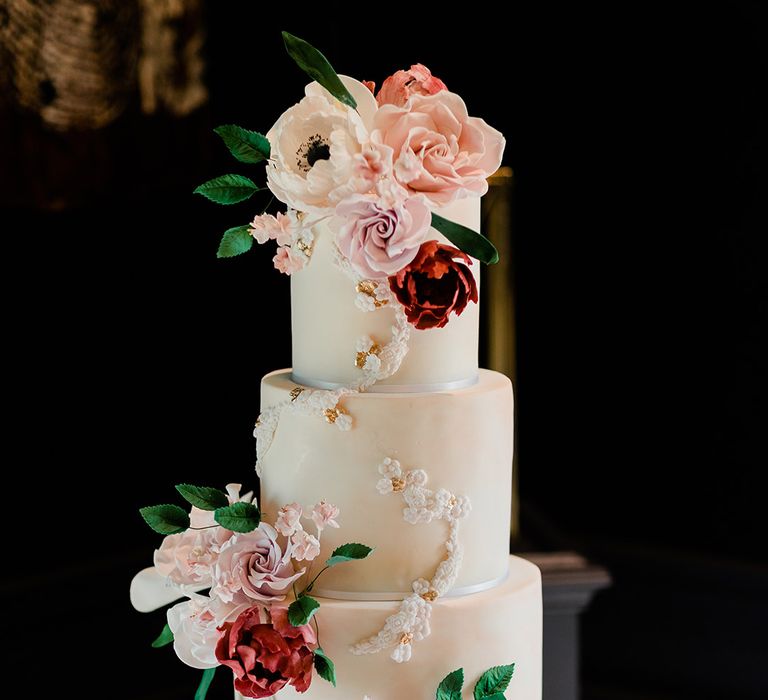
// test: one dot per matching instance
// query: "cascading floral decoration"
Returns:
(375, 168)
(251, 570)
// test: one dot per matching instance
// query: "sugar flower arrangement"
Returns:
(376, 166)
(237, 574)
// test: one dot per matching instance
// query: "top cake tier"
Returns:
(331, 329)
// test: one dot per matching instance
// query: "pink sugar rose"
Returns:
(252, 565)
(188, 558)
(381, 240)
(398, 88)
(272, 228)
(324, 515)
(438, 149)
(304, 547)
(288, 261)
(289, 519)
(267, 656)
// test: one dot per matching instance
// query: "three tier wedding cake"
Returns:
(377, 556)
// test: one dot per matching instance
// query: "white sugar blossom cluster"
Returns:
(326, 405)
(411, 622)
(368, 358)
(372, 296)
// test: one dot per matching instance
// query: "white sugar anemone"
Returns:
(314, 144)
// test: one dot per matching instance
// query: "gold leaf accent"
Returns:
(369, 287)
(296, 392)
(398, 484)
(362, 356)
(304, 248)
(406, 638)
(430, 595)
(452, 501)
(332, 414)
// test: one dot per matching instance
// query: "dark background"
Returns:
(639, 144)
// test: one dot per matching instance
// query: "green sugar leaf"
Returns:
(165, 519)
(247, 146)
(165, 638)
(203, 497)
(301, 610)
(317, 67)
(348, 552)
(239, 517)
(494, 682)
(325, 667)
(450, 687)
(227, 189)
(205, 683)
(235, 241)
(465, 239)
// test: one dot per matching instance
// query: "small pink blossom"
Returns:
(289, 519)
(373, 173)
(373, 162)
(398, 88)
(324, 515)
(288, 261)
(266, 227)
(304, 547)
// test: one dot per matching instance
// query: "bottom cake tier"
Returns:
(499, 626)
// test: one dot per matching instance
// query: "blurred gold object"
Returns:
(79, 63)
(499, 298)
(171, 64)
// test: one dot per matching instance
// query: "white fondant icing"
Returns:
(463, 438)
(411, 622)
(326, 322)
(499, 626)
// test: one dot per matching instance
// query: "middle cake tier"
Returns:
(412, 473)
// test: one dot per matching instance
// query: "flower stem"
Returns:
(269, 203)
(312, 583)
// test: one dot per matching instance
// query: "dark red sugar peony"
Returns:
(436, 284)
(267, 656)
